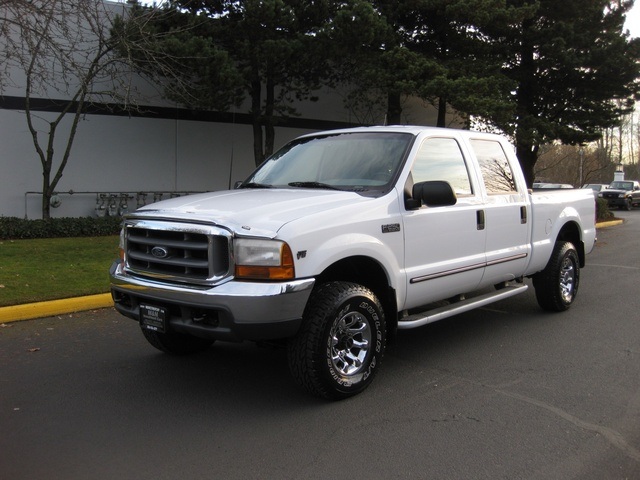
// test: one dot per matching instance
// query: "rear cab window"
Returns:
(495, 169)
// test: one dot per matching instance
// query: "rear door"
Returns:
(507, 212)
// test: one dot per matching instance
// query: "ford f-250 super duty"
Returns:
(341, 238)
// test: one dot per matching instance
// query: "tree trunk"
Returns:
(47, 165)
(256, 121)
(442, 112)
(525, 133)
(394, 109)
(527, 156)
(46, 196)
(269, 126)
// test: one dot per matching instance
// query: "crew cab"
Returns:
(623, 194)
(340, 239)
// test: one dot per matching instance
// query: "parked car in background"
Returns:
(550, 186)
(622, 194)
(596, 187)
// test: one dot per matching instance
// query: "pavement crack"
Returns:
(613, 437)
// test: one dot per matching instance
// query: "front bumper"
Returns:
(233, 311)
(616, 202)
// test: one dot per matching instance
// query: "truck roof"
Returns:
(412, 129)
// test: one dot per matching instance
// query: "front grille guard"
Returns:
(177, 252)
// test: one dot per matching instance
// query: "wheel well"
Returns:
(369, 273)
(570, 232)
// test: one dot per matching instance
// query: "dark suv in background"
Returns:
(622, 194)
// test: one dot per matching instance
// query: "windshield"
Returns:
(344, 161)
(622, 185)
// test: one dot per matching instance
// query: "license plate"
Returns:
(153, 318)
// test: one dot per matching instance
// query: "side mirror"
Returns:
(436, 193)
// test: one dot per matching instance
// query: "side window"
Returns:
(495, 168)
(441, 159)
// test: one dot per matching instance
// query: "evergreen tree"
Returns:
(371, 57)
(575, 71)
(539, 70)
(456, 34)
(434, 49)
(215, 53)
(178, 51)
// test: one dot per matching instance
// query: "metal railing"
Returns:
(111, 203)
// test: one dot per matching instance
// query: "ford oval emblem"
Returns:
(160, 252)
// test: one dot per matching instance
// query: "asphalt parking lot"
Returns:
(506, 391)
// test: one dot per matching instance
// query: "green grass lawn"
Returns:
(48, 269)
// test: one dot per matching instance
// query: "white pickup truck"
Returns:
(343, 237)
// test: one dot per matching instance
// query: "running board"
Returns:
(439, 313)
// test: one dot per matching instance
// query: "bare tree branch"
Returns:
(63, 51)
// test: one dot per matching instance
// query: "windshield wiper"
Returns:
(313, 185)
(255, 185)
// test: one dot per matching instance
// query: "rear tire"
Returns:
(340, 346)
(557, 285)
(176, 343)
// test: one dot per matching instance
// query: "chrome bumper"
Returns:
(230, 311)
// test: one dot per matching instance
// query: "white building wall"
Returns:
(115, 154)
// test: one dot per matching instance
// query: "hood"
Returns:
(254, 212)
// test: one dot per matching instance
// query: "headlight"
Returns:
(263, 259)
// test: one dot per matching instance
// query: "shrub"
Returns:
(15, 228)
(602, 210)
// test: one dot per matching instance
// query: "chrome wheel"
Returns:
(567, 279)
(350, 343)
(557, 285)
(340, 345)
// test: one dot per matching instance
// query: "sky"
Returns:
(632, 24)
(633, 20)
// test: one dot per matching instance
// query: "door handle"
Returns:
(480, 219)
(523, 214)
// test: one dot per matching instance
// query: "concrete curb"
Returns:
(610, 223)
(29, 311)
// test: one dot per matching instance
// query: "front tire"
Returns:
(176, 343)
(557, 285)
(340, 346)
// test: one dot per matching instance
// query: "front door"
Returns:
(444, 245)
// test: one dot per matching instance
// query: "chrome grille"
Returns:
(609, 195)
(177, 252)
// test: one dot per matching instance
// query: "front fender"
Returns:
(332, 250)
